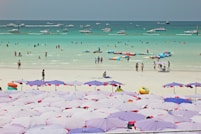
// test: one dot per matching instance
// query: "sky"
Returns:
(123, 10)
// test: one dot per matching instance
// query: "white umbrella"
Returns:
(47, 129)
(74, 83)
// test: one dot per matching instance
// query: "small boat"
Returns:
(85, 31)
(45, 31)
(106, 29)
(122, 32)
(14, 31)
(191, 32)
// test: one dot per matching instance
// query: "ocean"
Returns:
(72, 44)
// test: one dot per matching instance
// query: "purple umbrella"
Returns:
(55, 82)
(153, 125)
(127, 116)
(85, 130)
(95, 83)
(173, 84)
(106, 123)
(114, 83)
(195, 84)
(37, 83)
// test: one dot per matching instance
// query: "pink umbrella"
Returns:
(106, 123)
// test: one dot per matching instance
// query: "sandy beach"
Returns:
(132, 80)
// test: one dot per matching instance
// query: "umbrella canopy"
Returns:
(47, 129)
(128, 116)
(195, 84)
(153, 125)
(37, 83)
(74, 83)
(95, 83)
(55, 82)
(177, 100)
(85, 130)
(106, 123)
(114, 83)
(20, 82)
(173, 84)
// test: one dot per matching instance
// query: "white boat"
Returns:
(14, 31)
(11, 25)
(121, 32)
(85, 31)
(70, 25)
(160, 29)
(151, 31)
(106, 29)
(45, 31)
(191, 32)
(156, 29)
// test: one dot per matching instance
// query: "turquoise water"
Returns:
(186, 49)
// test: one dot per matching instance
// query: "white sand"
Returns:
(133, 80)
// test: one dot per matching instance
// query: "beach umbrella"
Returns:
(184, 113)
(189, 126)
(85, 130)
(177, 100)
(74, 83)
(21, 82)
(47, 129)
(95, 83)
(173, 84)
(37, 83)
(195, 84)
(153, 125)
(127, 116)
(55, 82)
(114, 83)
(106, 123)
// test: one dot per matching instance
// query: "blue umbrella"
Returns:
(195, 84)
(86, 130)
(177, 100)
(173, 84)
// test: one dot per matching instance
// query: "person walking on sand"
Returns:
(142, 67)
(43, 74)
(19, 64)
(136, 66)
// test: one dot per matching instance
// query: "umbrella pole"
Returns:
(195, 89)
(174, 90)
